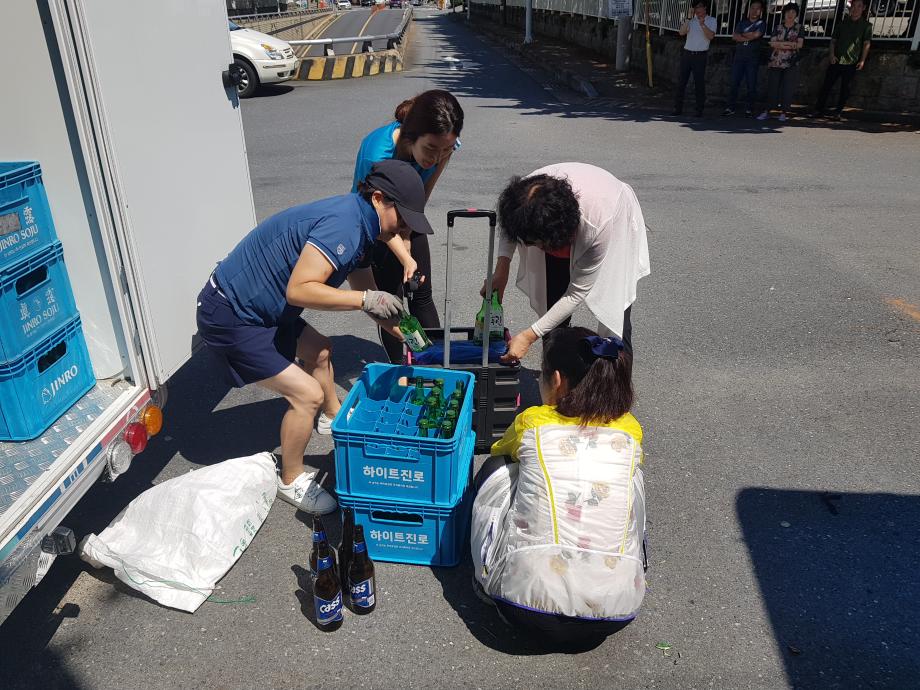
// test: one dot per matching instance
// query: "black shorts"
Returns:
(247, 353)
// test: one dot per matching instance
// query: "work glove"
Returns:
(381, 305)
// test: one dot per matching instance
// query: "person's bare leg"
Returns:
(315, 352)
(304, 396)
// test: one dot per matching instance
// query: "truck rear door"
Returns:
(170, 140)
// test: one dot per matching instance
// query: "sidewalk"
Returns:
(593, 77)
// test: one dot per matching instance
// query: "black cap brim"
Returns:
(416, 220)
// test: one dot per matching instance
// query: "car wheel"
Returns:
(250, 80)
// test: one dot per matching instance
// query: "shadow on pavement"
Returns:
(272, 90)
(622, 97)
(838, 575)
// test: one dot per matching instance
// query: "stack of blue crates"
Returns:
(410, 493)
(44, 363)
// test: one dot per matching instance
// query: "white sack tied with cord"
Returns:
(176, 540)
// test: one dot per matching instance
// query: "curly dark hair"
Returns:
(539, 209)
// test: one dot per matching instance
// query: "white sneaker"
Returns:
(307, 495)
(324, 424)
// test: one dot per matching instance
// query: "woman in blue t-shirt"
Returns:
(425, 134)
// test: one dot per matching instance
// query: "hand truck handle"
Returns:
(471, 213)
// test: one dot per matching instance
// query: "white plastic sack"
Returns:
(176, 540)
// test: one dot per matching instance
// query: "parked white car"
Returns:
(263, 59)
(343, 4)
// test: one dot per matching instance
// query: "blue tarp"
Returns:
(461, 352)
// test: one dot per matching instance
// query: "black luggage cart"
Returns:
(497, 391)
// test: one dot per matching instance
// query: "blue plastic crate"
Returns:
(410, 533)
(35, 299)
(38, 387)
(25, 217)
(378, 453)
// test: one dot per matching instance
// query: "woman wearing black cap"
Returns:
(424, 132)
(249, 311)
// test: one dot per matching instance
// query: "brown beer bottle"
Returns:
(345, 548)
(361, 589)
(327, 592)
(319, 538)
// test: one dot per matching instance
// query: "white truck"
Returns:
(144, 163)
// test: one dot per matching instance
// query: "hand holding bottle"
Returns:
(499, 278)
(381, 305)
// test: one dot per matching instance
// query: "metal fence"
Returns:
(892, 20)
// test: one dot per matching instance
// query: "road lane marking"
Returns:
(905, 308)
(322, 49)
(354, 46)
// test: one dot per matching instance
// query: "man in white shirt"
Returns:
(699, 29)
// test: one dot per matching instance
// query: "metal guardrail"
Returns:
(393, 39)
(279, 15)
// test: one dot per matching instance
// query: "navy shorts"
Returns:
(247, 353)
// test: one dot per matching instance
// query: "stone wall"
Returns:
(890, 81)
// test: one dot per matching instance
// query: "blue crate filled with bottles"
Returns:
(25, 216)
(35, 299)
(381, 450)
(409, 533)
(40, 385)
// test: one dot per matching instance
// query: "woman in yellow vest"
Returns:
(558, 527)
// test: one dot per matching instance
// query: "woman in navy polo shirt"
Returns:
(249, 310)
(424, 133)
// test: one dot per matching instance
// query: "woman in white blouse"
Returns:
(581, 238)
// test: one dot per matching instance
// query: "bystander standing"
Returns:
(699, 29)
(849, 49)
(783, 68)
(747, 57)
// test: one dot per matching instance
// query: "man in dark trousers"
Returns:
(849, 49)
(748, 32)
(699, 29)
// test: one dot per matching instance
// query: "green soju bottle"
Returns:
(424, 428)
(453, 404)
(416, 338)
(418, 395)
(496, 320)
(458, 390)
(447, 429)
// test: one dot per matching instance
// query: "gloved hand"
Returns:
(381, 305)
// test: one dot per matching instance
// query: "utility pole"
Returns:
(528, 21)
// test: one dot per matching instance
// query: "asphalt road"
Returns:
(777, 345)
(359, 21)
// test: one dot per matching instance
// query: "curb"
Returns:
(349, 66)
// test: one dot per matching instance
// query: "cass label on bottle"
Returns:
(328, 611)
(362, 593)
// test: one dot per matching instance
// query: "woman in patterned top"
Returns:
(783, 72)
(558, 522)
